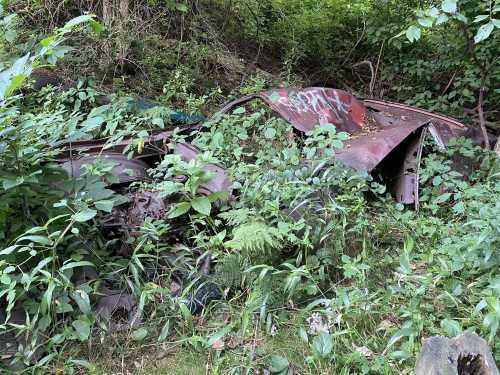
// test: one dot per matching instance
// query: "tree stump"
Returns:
(467, 354)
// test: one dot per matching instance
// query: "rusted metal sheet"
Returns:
(306, 108)
(76, 154)
(153, 145)
(377, 130)
(127, 170)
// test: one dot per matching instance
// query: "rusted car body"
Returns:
(386, 138)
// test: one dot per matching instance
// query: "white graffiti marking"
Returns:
(317, 102)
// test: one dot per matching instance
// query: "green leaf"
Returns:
(139, 334)
(220, 334)
(322, 345)
(82, 300)
(181, 7)
(42, 240)
(442, 19)
(278, 365)
(426, 21)
(449, 6)
(83, 363)
(71, 265)
(451, 327)
(158, 121)
(5, 279)
(202, 205)
(10, 183)
(164, 331)
(82, 328)
(442, 198)
(85, 215)
(9, 250)
(104, 205)
(484, 32)
(71, 24)
(270, 133)
(480, 18)
(239, 111)
(459, 208)
(303, 335)
(10, 35)
(413, 33)
(96, 26)
(179, 210)
(92, 123)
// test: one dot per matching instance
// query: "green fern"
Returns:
(254, 238)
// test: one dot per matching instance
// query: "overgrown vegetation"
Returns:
(316, 268)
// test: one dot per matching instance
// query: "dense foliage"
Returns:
(319, 270)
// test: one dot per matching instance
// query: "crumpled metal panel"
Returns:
(377, 129)
(85, 152)
(304, 109)
(127, 170)
(366, 152)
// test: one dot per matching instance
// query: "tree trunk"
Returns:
(107, 13)
(123, 40)
(107, 19)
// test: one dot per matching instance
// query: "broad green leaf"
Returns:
(202, 205)
(322, 345)
(449, 6)
(96, 26)
(303, 335)
(442, 198)
(71, 24)
(10, 35)
(139, 334)
(426, 21)
(181, 7)
(433, 12)
(5, 279)
(179, 210)
(82, 329)
(442, 19)
(484, 32)
(270, 133)
(480, 18)
(85, 215)
(42, 240)
(278, 365)
(239, 111)
(413, 33)
(158, 121)
(451, 327)
(220, 195)
(92, 123)
(82, 300)
(104, 205)
(459, 208)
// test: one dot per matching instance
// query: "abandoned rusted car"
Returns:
(384, 137)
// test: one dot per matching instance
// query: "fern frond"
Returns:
(255, 238)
